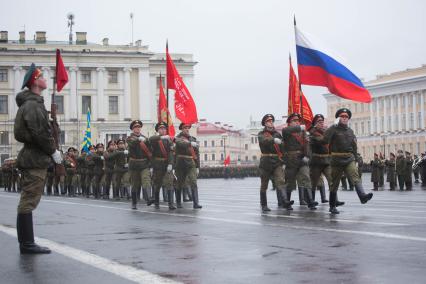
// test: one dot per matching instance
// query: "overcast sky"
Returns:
(242, 46)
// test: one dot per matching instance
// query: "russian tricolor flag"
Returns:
(316, 68)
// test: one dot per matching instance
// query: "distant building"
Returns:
(395, 119)
(118, 83)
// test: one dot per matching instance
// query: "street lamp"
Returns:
(224, 137)
(384, 136)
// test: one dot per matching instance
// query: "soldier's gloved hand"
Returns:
(141, 138)
(336, 121)
(278, 141)
(151, 171)
(198, 171)
(126, 152)
(283, 166)
(169, 168)
(194, 144)
(57, 157)
(302, 127)
(305, 160)
(165, 137)
(102, 158)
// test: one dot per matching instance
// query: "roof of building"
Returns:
(398, 75)
(216, 128)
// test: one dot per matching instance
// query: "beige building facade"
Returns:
(118, 83)
(395, 119)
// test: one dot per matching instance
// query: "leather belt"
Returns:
(341, 154)
(269, 155)
(134, 159)
(321, 155)
(184, 156)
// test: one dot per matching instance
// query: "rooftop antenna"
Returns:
(131, 20)
(71, 23)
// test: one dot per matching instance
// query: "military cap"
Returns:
(99, 145)
(136, 122)
(266, 117)
(407, 153)
(392, 154)
(343, 110)
(376, 155)
(317, 117)
(110, 142)
(32, 74)
(183, 124)
(120, 140)
(71, 149)
(160, 124)
(91, 147)
(291, 116)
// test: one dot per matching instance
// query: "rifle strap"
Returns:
(163, 149)
(145, 150)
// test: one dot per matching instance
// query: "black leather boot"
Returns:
(308, 197)
(134, 199)
(333, 209)
(264, 202)
(170, 195)
(363, 197)
(287, 202)
(195, 202)
(178, 198)
(279, 198)
(301, 197)
(165, 193)
(157, 198)
(146, 193)
(323, 195)
(24, 228)
(339, 203)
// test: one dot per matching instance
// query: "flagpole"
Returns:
(300, 85)
(167, 89)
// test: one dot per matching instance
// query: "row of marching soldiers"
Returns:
(298, 157)
(145, 165)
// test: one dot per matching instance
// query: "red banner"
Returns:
(61, 72)
(227, 161)
(163, 111)
(185, 108)
(294, 96)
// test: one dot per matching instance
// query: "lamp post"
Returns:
(224, 137)
(384, 136)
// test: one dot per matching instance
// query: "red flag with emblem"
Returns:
(163, 111)
(61, 72)
(294, 97)
(227, 161)
(185, 108)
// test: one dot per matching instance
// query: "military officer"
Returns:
(32, 128)
(187, 164)
(375, 171)
(139, 163)
(343, 148)
(109, 156)
(70, 164)
(121, 168)
(400, 165)
(408, 173)
(390, 169)
(98, 170)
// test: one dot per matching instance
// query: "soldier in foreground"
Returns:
(187, 164)
(390, 169)
(343, 148)
(32, 128)
(271, 163)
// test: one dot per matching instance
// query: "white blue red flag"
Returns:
(317, 68)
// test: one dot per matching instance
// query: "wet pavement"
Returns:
(228, 241)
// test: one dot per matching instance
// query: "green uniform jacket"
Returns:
(270, 158)
(319, 153)
(120, 161)
(32, 128)
(138, 159)
(161, 160)
(375, 170)
(342, 144)
(408, 167)
(70, 165)
(81, 164)
(90, 164)
(400, 165)
(390, 169)
(98, 160)
(183, 152)
(109, 162)
(295, 145)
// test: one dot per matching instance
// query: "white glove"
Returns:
(57, 157)
(102, 158)
(198, 171)
(169, 168)
(305, 160)
(141, 138)
(283, 167)
(165, 137)
(302, 127)
(277, 141)
(151, 171)
(126, 152)
(336, 121)
(194, 144)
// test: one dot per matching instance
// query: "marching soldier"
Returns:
(400, 165)
(32, 128)
(296, 160)
(343, 148)
(416, 169)
(82, 172)
(121, 168)
(98, 170)
(271, 163)
(139, 163)
(375, 171)
(390, 169)
(109, 156)
(408, 174)
(162, 161)
(90, 163)
(320, 158)
(187, 164)
(70, 164)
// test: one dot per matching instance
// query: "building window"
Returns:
(382, 124)
(86, 76)
(206, 157)
(362, 128)
(221, 143)
(252, 140)
(403, 122)
(254, 158)
(419, 120)
(213, 157)
(246, 158)
(246, 147)
(3, 75)
(112, 77)
(356, 128)
(113, 104)
(205, 143)
(411, 120)
(369, 126)
(389, 123)
(418, 148)
(397, 122)
(221, 157)
(59, 100)
(86, 104)
(62, 137)
(212, 143)
(4, 106)
(4, 137)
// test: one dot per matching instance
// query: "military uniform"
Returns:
(98, 170)
(408, 173)
(90, 171)
(70, 164)
(187, 165)
(375, 171)
(391, 174)
(109, 157)
(381, 166)
(271, 164)
(121, 170)
(343, 148)
(82, 172)
(400, 165)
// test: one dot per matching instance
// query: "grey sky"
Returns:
(242, 46)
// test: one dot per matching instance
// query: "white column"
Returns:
(145, 96)
(399, 112)
(17, 88)
(385, 117)
(127, 110)
(73, 94)
(100, 105)
(415, 126)
(391, 127)
(371, 118)
(378, 130)
(407, 118)
(47, 93)
(422, 111)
